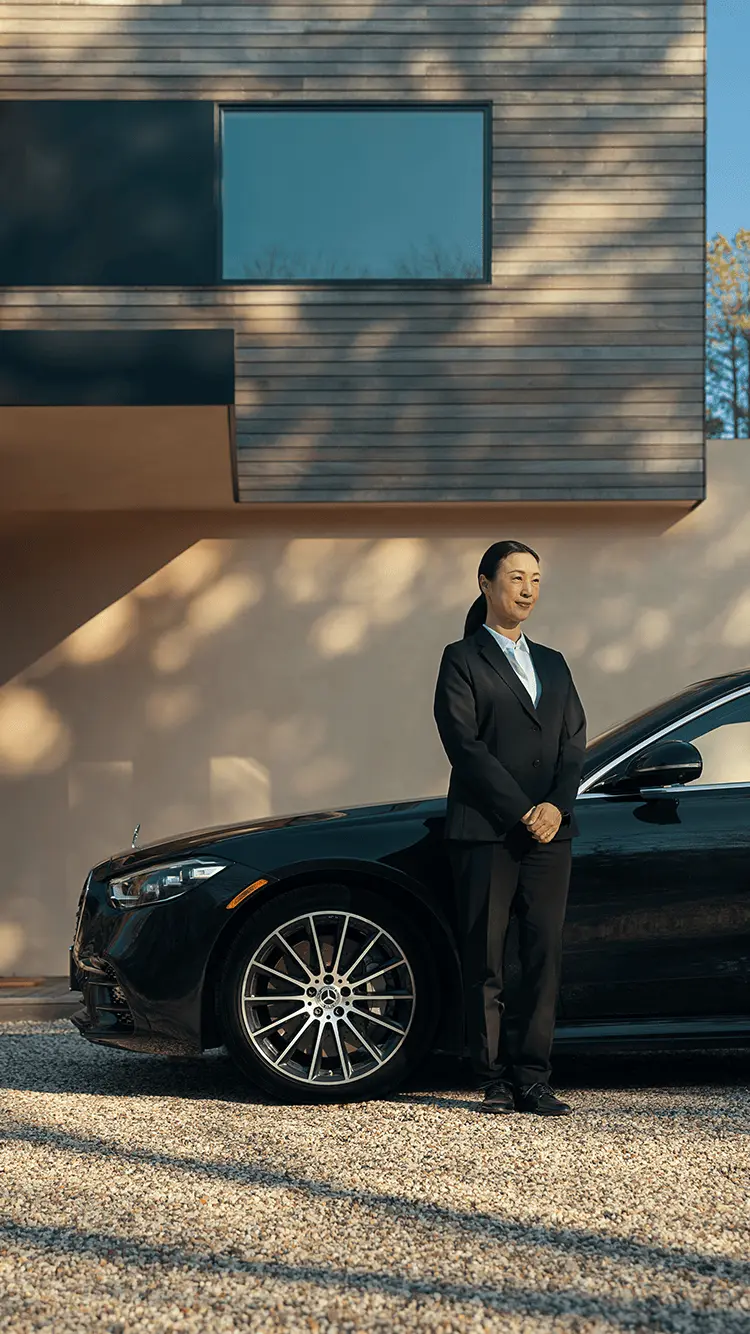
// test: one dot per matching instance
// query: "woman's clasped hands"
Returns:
(543, 821)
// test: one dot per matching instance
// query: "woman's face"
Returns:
(511, 595)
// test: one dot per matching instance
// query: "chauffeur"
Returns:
(514, 730)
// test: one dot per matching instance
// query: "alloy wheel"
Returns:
(328, 998)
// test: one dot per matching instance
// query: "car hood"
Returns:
(200, 839)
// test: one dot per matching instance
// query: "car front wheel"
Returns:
(327, 996)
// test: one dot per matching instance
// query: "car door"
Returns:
(658, 922)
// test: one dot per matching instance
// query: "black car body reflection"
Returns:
(321, 947)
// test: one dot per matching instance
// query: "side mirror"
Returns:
(662, 764)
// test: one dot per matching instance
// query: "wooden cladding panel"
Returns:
(578, 374)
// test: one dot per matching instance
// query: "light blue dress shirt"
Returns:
(519, 656)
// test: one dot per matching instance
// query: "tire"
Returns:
(355, 1036)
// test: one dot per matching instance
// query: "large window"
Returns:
(355, 194)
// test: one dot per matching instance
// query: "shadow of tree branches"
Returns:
(577, 375)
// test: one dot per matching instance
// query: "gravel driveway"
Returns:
(158, 1195)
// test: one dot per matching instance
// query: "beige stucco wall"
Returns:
(182, 669)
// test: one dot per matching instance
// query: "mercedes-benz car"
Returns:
(321, 950)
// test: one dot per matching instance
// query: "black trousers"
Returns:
(492, 880)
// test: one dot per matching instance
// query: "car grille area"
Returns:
(105, 1003)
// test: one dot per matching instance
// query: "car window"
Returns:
(609, 745)
(721, 735)
(723, 738)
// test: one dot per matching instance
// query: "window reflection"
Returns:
(337, 195)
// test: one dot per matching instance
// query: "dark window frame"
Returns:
(450, 284)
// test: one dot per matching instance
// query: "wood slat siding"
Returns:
(577, 375)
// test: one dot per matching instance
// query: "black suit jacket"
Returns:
(506, 755)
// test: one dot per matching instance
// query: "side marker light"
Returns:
(245, 893)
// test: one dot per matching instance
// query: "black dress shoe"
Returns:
(540, 1099)
(499, 1097)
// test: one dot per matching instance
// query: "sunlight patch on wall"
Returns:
(685, 47)
(33, 737)
(172, 651)
(308, 565)
(210, 611)
(736, 627)
(170, 707)
(608, 217)
(188, 572)
(217, 606)
(456, 574)
(380, 585)
(12, 942)
(385, 575)
(240, 789)
(273, 315)
(577, 639)
(104, 635)
(653, 628)
(650, 630)
(714, 515)
(417, 68)
(614, 658)
(341, 630)
(731, 547)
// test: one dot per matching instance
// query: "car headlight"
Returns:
(154, 884)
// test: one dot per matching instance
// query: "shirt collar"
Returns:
(512, 643)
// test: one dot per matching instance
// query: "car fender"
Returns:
(349, 870)
(311, 870)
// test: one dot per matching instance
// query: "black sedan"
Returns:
(320, 948)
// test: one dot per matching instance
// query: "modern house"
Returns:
(302, 306)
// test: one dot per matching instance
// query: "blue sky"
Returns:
(728, 116)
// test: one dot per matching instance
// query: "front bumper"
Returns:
(106, 1014)
(142, 972)
(107, 1020)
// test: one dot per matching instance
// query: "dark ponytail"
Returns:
(488, 567)
(475, 616)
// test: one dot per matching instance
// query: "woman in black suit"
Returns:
(514, 730)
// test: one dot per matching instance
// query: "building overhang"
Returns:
(111, 419)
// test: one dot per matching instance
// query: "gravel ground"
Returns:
(141, 1196)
